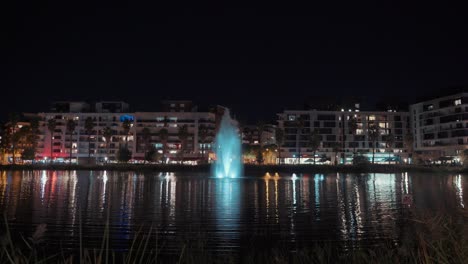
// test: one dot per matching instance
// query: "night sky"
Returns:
(258, 60)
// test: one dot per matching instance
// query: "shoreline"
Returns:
(248, 168)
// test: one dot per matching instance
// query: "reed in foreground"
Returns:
(438, 239)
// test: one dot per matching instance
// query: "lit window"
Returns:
(182, 105)
(291, 117)
(458, 102)
(372, 118)
(172, 105)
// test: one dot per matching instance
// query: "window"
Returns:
(383, 125)
(371, 118)
(326, 117)
(182, 105)
(291, 117)
(429, 107)
(329, 124)
(457, 102)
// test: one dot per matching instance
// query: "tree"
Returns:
(28, 153)
(279, 136)
(15, 136)
(373, 134)
(107, 134)
(314, 142)
(260, 130)
(152, 154)
(71, 126)
(353, 126)
(464, 157)
(124, 155)
(146, 137)
(202, 135)
(183, 135)
(33, 136)
(299, 127)
(51, 126)
(163, 137)
(89, 127)
(389, 141)
(5, 141)
(25, 139)
(259, 156)
(408, 142)
(336, 146)
(360, 160)
(126, 125)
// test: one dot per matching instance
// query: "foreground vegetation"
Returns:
(438, 239)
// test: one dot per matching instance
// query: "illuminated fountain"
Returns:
(228, 149)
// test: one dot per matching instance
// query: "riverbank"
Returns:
(249, 169)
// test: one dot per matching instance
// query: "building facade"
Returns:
(440, 126)
(57, 143)
(251, 135)
(339, 138)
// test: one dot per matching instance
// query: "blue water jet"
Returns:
(228, 149)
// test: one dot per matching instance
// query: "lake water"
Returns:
(295, 209)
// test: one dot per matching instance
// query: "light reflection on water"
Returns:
(291, 207)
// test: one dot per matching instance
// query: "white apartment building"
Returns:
(440, 126)
(338, 142)
(56, 144)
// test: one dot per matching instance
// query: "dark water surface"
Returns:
(296, 209)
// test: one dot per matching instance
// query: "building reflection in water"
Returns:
(302, 207)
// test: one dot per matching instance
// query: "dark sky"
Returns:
(256, 59)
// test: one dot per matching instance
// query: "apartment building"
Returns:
(57, 144)
(251, 135)
(440, 126)
(338, 140)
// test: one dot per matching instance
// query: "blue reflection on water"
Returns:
(228, 202)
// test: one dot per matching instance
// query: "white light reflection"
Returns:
(406, 183)
(43, 183)
(72, 180)
(267, 198)
(276, 200)
(103, 193)
(317, 179)
(458, 185)
(294, 178)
